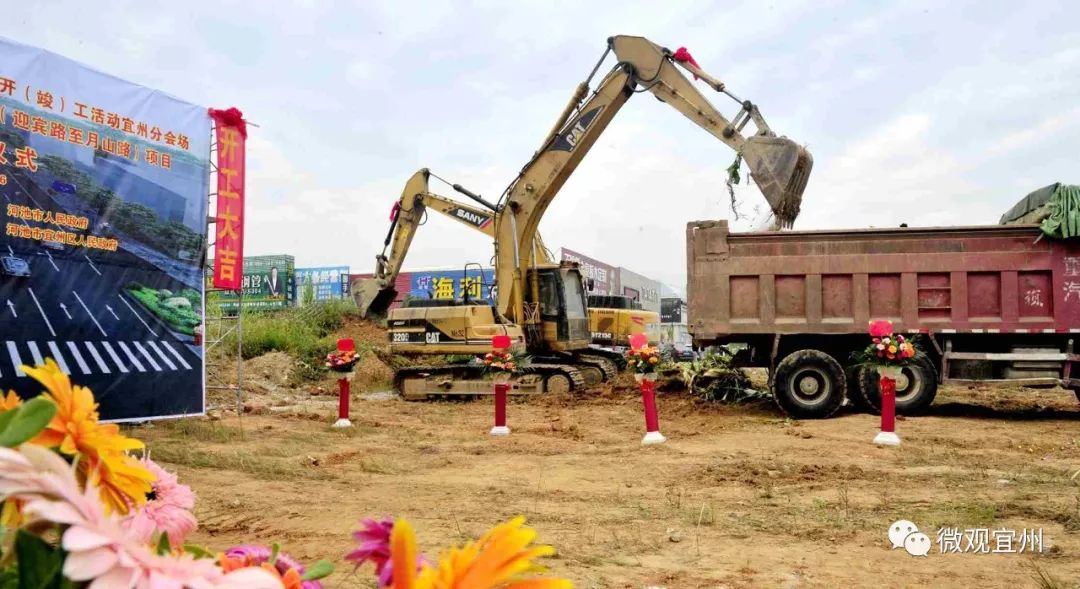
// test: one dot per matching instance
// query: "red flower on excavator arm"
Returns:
(681, 54)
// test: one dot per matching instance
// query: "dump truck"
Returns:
(997, 303)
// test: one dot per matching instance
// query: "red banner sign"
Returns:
(229, 234)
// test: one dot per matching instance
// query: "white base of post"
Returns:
(500, 430)
(342, 423)
(653, 438)
(887, 439)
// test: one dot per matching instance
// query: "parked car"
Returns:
(13, 266)
(54, 246)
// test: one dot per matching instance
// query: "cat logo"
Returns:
(569, 139)
(475, 219)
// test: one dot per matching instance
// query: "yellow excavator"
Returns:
(538, 302)
(612, 319)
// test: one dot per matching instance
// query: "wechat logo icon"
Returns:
(905, 534)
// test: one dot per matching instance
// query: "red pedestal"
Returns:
(887, 436)
(888, 404)
(500, 403)
(652, 420)
(343, 403)
(648, 399)
(501, 390)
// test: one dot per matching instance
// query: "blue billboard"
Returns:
(476, 283)
(103, 203)
(320, 284)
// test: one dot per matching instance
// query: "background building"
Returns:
(640, 288)
(673, 322)
(605, 277)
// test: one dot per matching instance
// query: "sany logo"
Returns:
(638, 320)
(472, 218)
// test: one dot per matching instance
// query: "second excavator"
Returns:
(538, 302)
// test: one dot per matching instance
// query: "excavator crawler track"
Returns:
(418, 383)
(606, 365)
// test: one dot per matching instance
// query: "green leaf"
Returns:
(30, 418)
(275, 549)
(198, 551)
(9, 578)
(39, 564)
(6, 417)
(163, 544)
(317, 571)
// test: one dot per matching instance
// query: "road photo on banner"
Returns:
(104, 191)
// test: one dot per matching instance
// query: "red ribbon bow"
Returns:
(230, 117)
(681, 54)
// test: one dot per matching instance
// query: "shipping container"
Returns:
(991, 303)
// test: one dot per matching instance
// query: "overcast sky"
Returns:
(914, 112)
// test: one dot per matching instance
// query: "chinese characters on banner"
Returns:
(229, 230)
(103, 208)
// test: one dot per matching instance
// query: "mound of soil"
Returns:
(365, 333)
(371, 373)
(269, 373)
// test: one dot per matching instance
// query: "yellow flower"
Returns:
(497, 560)
(892, 349)
(104, 463)
(10, 511)
(9, 402)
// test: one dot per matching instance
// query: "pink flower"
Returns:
(881, 328)
(284, 562)
(374, 539)
(167, 510)
(99, 549)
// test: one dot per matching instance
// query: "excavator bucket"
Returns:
(780, 168)
(372, 297)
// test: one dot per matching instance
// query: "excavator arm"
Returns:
(778, 166)
(374, 295)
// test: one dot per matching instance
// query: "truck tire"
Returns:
(854, 395)
(809, 384)
(915, 390)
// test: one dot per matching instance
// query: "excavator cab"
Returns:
(563, 310)
(780, 168)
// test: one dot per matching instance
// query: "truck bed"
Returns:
(980, 279)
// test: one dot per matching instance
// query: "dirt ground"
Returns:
(738, 496)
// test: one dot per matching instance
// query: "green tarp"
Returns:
(1064, 207)
(1055, 208)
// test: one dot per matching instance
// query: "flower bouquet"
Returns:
(502, 364)
(342, 361)
(887, 351)
(643, 361)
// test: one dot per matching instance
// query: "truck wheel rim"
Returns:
(909, 384)
(810, 386)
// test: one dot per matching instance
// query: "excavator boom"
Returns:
(778, 165)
